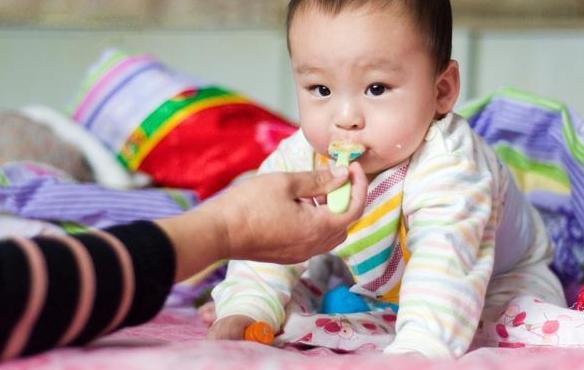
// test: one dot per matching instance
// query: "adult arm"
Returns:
(71, 289)
(61, 290)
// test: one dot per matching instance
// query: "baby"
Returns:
(446, 236)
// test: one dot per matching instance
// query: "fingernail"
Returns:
(316, 204)
(339, 171)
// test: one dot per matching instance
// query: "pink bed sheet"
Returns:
(175, 339)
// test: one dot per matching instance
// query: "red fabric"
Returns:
(211, 147)
(579, 305)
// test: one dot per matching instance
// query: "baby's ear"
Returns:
(447, 88)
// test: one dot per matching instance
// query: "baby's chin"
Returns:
(372, 176)
(373, 170)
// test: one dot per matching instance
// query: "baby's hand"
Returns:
(230, 327)
(207, 313)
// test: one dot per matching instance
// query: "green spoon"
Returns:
(343, 153)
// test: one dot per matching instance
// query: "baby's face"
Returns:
(364, 76)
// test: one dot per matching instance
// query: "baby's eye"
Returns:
(376, 89)
(320, 90)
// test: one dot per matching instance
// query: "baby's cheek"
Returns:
(392, 152)
(318, 139)
(406, 143)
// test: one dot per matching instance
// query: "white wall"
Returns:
(46, 66)
(550, 63)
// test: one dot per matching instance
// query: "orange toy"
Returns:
(260, 332)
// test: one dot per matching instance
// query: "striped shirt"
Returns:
(68, 290)
(457, 202)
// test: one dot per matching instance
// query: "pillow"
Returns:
(106, 170)
(182, 132)
(24, 140)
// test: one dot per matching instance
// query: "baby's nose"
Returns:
(349, 116)
(353, 124)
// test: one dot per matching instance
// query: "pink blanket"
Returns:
(175, 339)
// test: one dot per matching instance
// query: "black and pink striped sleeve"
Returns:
(64, 290)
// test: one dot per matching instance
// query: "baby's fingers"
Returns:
(229, 328)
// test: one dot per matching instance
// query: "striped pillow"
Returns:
(542, 142)
(180, 131)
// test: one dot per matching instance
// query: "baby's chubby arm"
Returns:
(254, 291)
(451, 218)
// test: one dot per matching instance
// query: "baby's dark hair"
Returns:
(434, 17)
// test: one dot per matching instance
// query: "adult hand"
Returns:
(265, 219)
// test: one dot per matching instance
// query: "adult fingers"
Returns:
(310, 184)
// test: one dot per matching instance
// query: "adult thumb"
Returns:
(311, 184)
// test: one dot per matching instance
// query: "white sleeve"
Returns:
(257, 290)
(254, 289)
(451, 218)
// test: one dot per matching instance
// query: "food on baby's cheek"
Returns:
(343, 153)
(260, 332)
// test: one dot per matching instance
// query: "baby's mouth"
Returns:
(344, 152)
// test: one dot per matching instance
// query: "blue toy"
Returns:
(341, 300)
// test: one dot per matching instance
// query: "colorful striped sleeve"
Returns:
(257, 290)
(68, 290)
(451, 213)
(261, 290)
